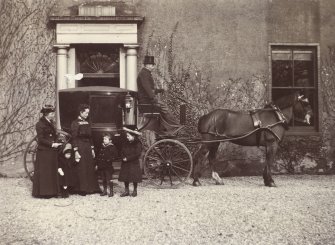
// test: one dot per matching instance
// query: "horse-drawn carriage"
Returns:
(111, 109)
(168, 162)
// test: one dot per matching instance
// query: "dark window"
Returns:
(293, 69)
(100, 64)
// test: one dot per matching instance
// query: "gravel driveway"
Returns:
(300, 210)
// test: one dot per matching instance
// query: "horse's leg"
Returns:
(271, 150)
(213, 148)
(199, 157)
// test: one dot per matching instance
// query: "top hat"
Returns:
(47, 109)
(135, 132)
(149, 60)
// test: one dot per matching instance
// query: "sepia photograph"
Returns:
(167, 122)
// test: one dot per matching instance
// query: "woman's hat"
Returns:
(47, 109)
(149, 60)
(131, 131)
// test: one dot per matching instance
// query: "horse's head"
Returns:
(302, 109)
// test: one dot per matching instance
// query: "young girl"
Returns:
(106, 156)
(130, 167)
(66, 170)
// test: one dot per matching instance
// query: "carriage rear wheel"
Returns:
(168, 163)
(30, 157)
(30, 152)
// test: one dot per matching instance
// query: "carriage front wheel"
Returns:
(30, 157)
(168, 163)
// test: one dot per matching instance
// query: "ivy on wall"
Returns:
(26, 71)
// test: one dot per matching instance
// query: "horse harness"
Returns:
(257, 125)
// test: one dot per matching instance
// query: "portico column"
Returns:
(131, 66)
(60, 77)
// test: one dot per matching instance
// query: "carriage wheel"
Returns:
(30, 157)
(168, 163)
(30, 152)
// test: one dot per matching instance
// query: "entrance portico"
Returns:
(103, 48)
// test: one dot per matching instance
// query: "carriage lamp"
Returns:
(128, 102)
(129, 110)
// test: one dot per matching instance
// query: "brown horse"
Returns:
(262, 127)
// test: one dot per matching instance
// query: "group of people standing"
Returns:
(73, 168)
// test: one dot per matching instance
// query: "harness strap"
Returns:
(255, 119)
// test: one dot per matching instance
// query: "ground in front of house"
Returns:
(300, 210)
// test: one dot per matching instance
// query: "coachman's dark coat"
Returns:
(45, 181)
(130, 169)
(146, 87)
(81, 140)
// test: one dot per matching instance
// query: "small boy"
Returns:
(108, 153)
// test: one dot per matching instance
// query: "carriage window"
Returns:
(295, 69)
(105, 110)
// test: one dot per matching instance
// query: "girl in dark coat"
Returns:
(108, 153)
(84, 153)
(66, 169)
(130, 168)
(45, 180)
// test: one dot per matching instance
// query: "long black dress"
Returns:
(82, 142)
(130, 169)
(45, 180)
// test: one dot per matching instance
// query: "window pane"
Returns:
(282, 73)
(303, 69)
(281, 55)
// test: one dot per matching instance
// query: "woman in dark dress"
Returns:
(84, 153)
(130, 168)
(45, 180)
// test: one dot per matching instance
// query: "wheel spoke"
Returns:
(159, 153)
(177, 175)
(183, 169)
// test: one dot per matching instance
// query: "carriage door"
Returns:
(99, 64)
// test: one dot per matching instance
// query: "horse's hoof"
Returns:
(271, 184)
(196, 183)
(219, 183)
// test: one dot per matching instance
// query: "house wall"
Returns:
(227, 38)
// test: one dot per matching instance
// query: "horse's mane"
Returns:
(285, 101)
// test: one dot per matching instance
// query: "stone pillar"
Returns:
(60, 76)
(131, 67)
(71, 67)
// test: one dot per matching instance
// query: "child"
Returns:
(64, 169)
(130, 168)
(106, 156)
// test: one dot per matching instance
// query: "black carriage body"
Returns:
(106, 109)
